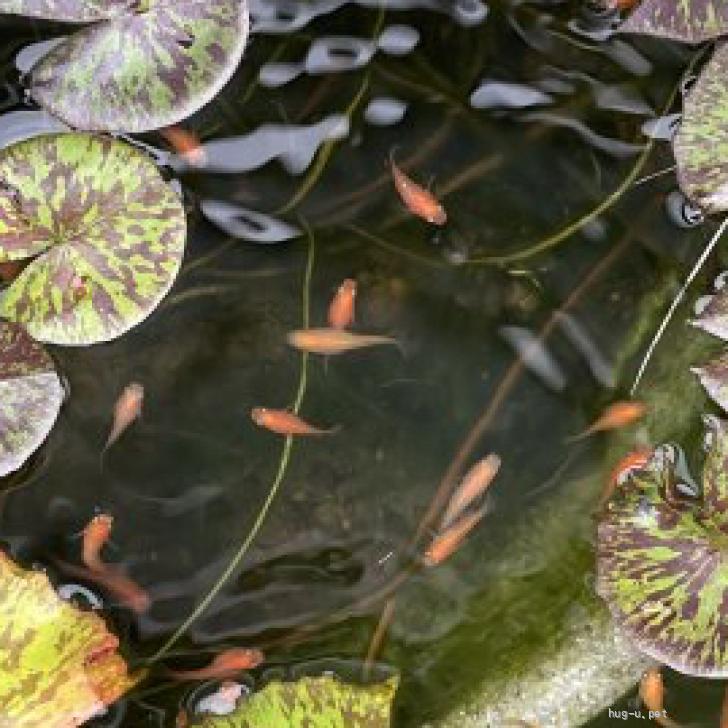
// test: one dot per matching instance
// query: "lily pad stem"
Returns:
(280, 474)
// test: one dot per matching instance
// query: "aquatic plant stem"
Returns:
(676, 302)
(280, 474)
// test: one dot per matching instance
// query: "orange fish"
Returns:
(635, 460)
(226, 664)
(619, 414)
(127, 591)
(448, 541)
(341, 310)
(127, 409)
(334, 341)
(95, 535)
(416, 199)
(285, 423)
(473, 485)
(186, 144)
(652, 695)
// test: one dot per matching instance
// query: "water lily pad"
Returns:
(30, 396)
(691, 21)
(59, 665)
(714, 378)
(312, 702)
(701, 143)
(713, 316)
(663, 561)
(145, 64)
(107, 231)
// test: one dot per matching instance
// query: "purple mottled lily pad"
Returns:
(105, 233)
(663, 560)
(30, 396)
(701, 143)
(143, 65)
(713, 317)
(691, 21)
(714, 378)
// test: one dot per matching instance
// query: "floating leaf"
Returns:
(713, 316)
(662, 565)
(701, 143)
(30, 396)
(714, 378)
(59, 665)
(107, 231)
(146, 64)
(691, 21)
(312, 702)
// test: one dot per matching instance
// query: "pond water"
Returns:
(528, 120)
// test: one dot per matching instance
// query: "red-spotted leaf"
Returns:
(146, 64)
(701, 143)
(691, 21)
(30, 396)
(662, 565)
(107, 231)
(59, 665)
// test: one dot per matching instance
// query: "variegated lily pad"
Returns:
(713, 316)
(145, 64)
(59, 665)
(701, 144)
(106, 232)
(312, 702)
(691, 21)
(714, 378)
(30, 396)
(663, 560)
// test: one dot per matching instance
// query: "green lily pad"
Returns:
(312, 702)
(106, 233)
(663, 560)
(30, 396)
(59, 665)
(701, 144)
(691, 21)
(145, 64)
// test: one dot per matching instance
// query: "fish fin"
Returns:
(390, 159)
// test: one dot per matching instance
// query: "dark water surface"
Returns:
(526, 120)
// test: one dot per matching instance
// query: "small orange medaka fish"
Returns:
(473, 485)
(333, 341)
(416, 199)
(127, 409)
(448, 541)
(341, 310)
(619, 414)
(635, 460)
(652, 695)
(95, 535)
(225, 665)
(284, 422)
(186, 144)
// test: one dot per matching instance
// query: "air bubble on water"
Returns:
(72, 592)
(682, 212)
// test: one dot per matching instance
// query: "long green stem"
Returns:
(280, 474)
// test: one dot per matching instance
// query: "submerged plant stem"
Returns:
(280, 474)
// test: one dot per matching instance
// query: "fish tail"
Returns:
(579, 436)
(390, 158)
